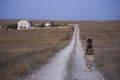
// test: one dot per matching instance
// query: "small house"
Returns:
(47, 25)
(24, 24)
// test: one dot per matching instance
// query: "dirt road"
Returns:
(68, 64)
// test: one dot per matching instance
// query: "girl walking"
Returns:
(89, 54)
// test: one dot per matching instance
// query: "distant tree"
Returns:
(52, 23)
(12, 26)
(32, 24)
(41, 25)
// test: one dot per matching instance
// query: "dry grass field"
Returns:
(106, 38)
(22, 50)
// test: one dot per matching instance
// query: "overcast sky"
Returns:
(60, 9)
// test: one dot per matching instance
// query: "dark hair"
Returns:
(89, 41)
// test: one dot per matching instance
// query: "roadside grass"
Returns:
(106, 38)
(21, 51)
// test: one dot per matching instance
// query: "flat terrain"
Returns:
(106, 38)
(22, 50)
(68, 63)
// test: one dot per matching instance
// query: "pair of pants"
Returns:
(89, 59)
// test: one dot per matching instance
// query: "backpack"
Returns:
(89, 51)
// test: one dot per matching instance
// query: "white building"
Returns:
(23, 24)
(47, 24)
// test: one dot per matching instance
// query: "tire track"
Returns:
(77, 69)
